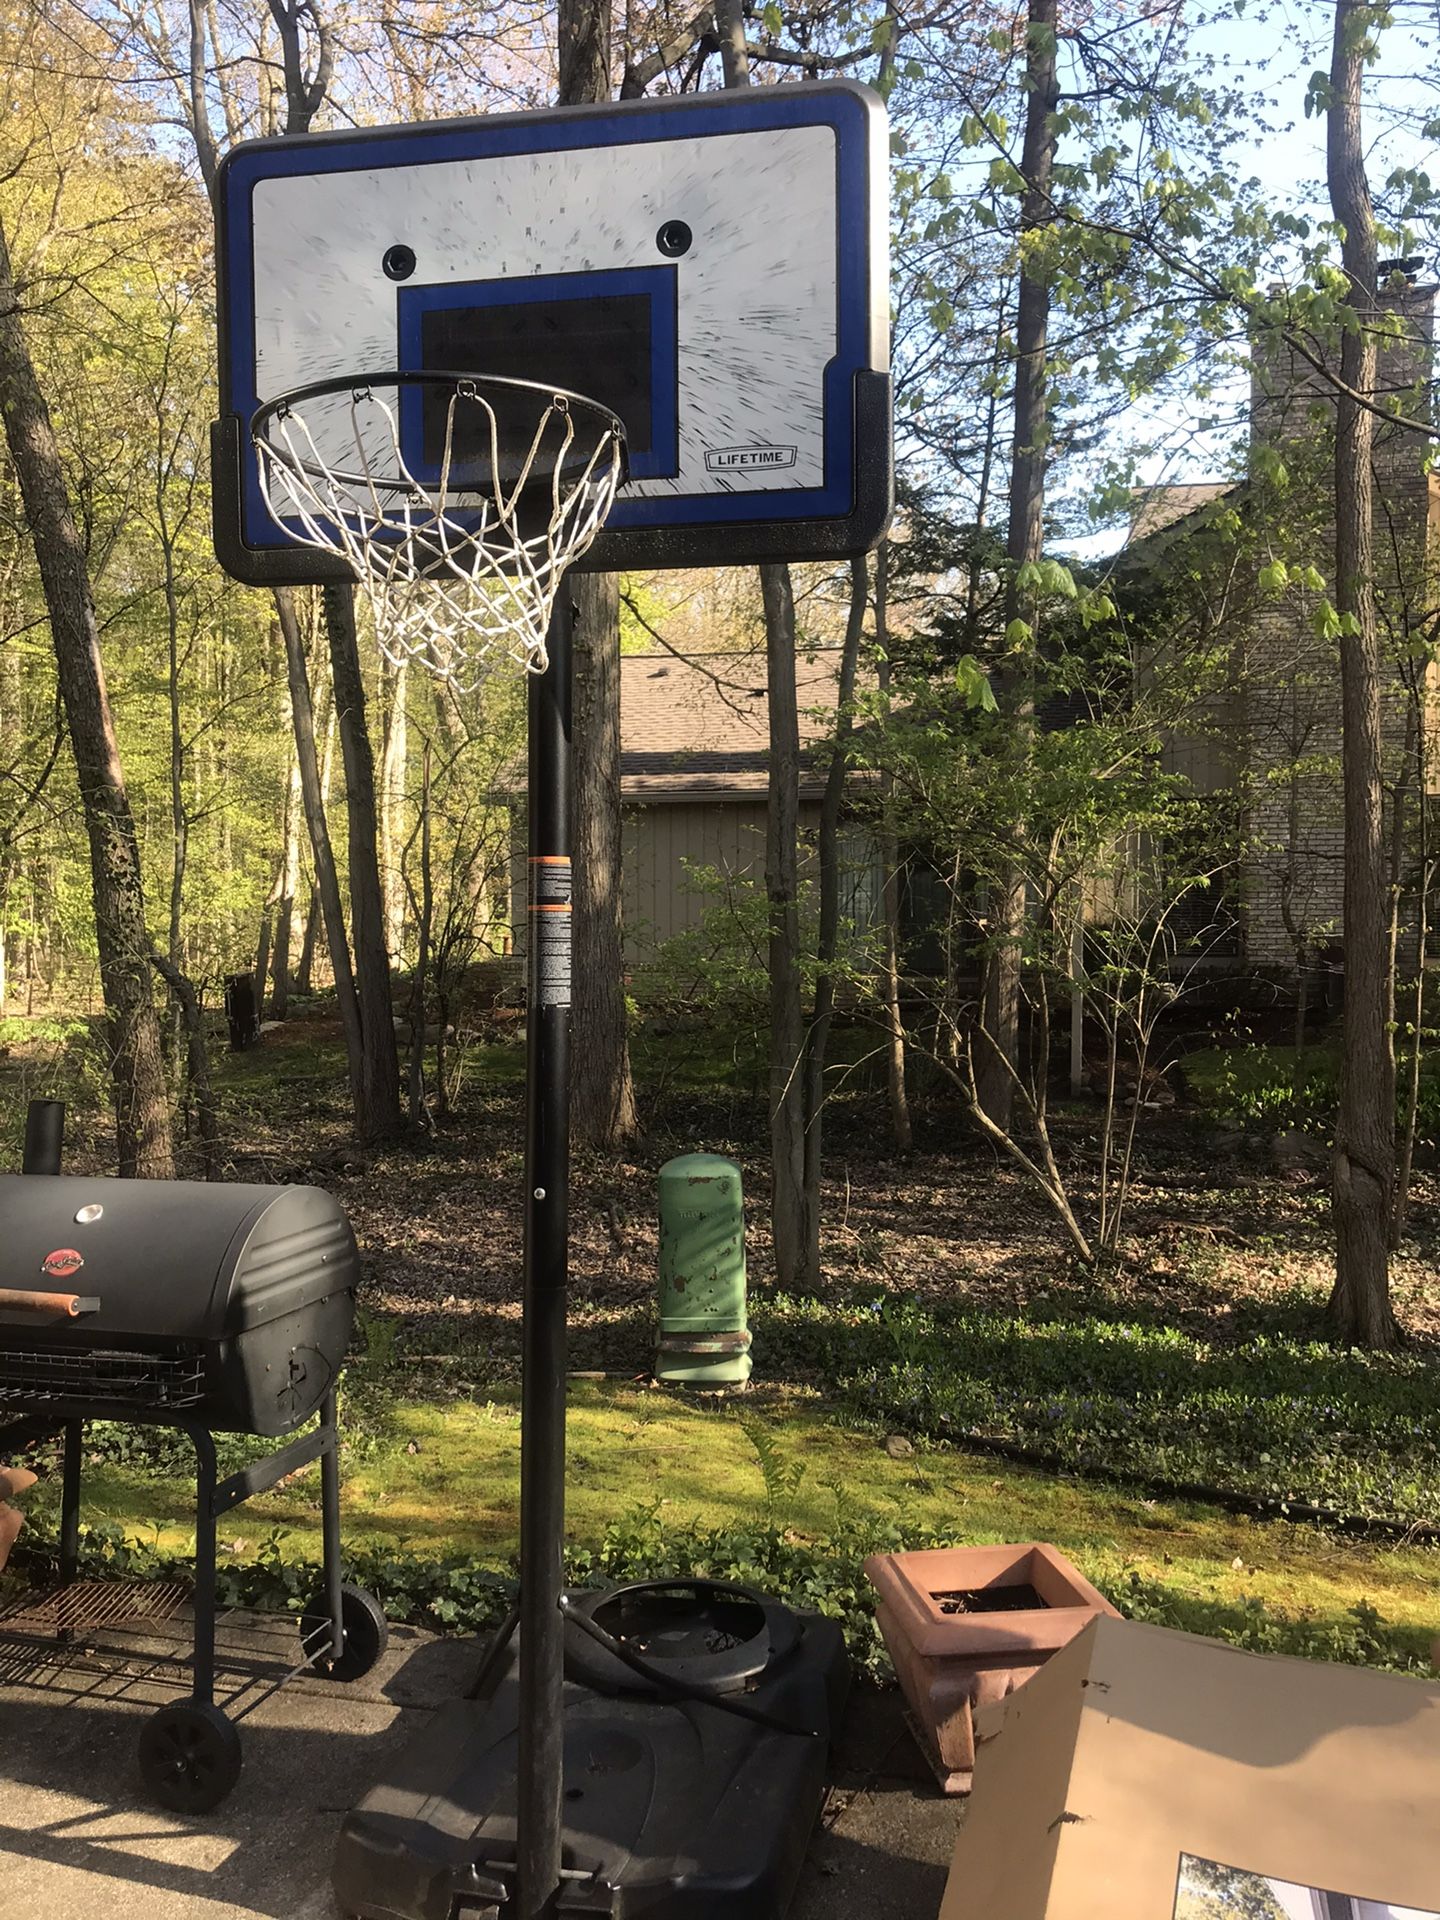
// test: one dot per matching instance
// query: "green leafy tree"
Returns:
(1209, 1891)
(1114, 853)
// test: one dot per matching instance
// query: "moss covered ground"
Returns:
(436, 1473)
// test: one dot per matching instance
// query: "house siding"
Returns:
(1293, 883)
(662, 843)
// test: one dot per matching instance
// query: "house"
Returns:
(694, 759)
(1272, 736)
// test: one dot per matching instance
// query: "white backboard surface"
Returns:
(713, 267)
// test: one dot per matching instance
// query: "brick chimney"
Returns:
(1291, 400)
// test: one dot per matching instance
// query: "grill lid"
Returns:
(168, 1258)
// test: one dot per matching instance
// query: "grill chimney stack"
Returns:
(44, 1136)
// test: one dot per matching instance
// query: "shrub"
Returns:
(1257, 1087)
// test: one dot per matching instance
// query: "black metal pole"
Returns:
(547, 1174)
(44, 1136)
(202, 1665)
(330, 1526)
(70, 1503)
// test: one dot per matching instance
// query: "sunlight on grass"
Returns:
(436, 1477)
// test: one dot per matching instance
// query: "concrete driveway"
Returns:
(79, 1839)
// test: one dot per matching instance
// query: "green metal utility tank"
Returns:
(704, 1341)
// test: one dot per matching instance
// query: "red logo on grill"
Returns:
(62, 1263)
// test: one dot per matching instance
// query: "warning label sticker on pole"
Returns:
(550, 929)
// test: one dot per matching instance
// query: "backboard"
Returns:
(712, 267)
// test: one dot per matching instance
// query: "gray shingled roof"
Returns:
(1162, 506)
(698, 729)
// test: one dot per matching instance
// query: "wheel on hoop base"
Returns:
(189, 1756)
(363, 1625)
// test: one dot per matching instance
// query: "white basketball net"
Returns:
(456, 577)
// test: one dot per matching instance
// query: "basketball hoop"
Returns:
(459, 503)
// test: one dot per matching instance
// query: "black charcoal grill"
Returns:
(207, 1308)
(134, 1298)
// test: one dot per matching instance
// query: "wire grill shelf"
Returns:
(94, 1606)
(34, 1375)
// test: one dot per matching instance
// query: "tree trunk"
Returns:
(827, 862)
(998, 1052)
(602, 1110)
(285, 906)
(12, 733)
(1296, 928)
(602, 1093)
(789, 1226)
(179, 813)
(197, 1063)
(377, 1115)
(424, 922)
(583, 34)
(1076, 967)
(895, 1083)
(394, 752)
(1360, 1309)
(305, 972)
(222, 766)
(142, 1111)
(327, 881)
(30, 955)
(1420, 699)
(264, 938)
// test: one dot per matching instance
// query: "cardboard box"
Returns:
(1134, 1747)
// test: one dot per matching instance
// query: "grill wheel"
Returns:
(362, 1621)
(189, 1756)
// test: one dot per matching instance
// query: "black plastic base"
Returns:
(673, 1811)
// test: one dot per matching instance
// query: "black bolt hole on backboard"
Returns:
(674, 238)
(398, 262)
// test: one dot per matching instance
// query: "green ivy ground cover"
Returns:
(1259, 1086)
(1265, 1418)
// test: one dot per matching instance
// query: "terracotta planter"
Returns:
(967, 1625)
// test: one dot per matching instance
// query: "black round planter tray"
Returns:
(705, 1636)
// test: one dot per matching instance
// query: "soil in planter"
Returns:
(1021, 1598)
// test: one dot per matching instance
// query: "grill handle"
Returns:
(64, 1306)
